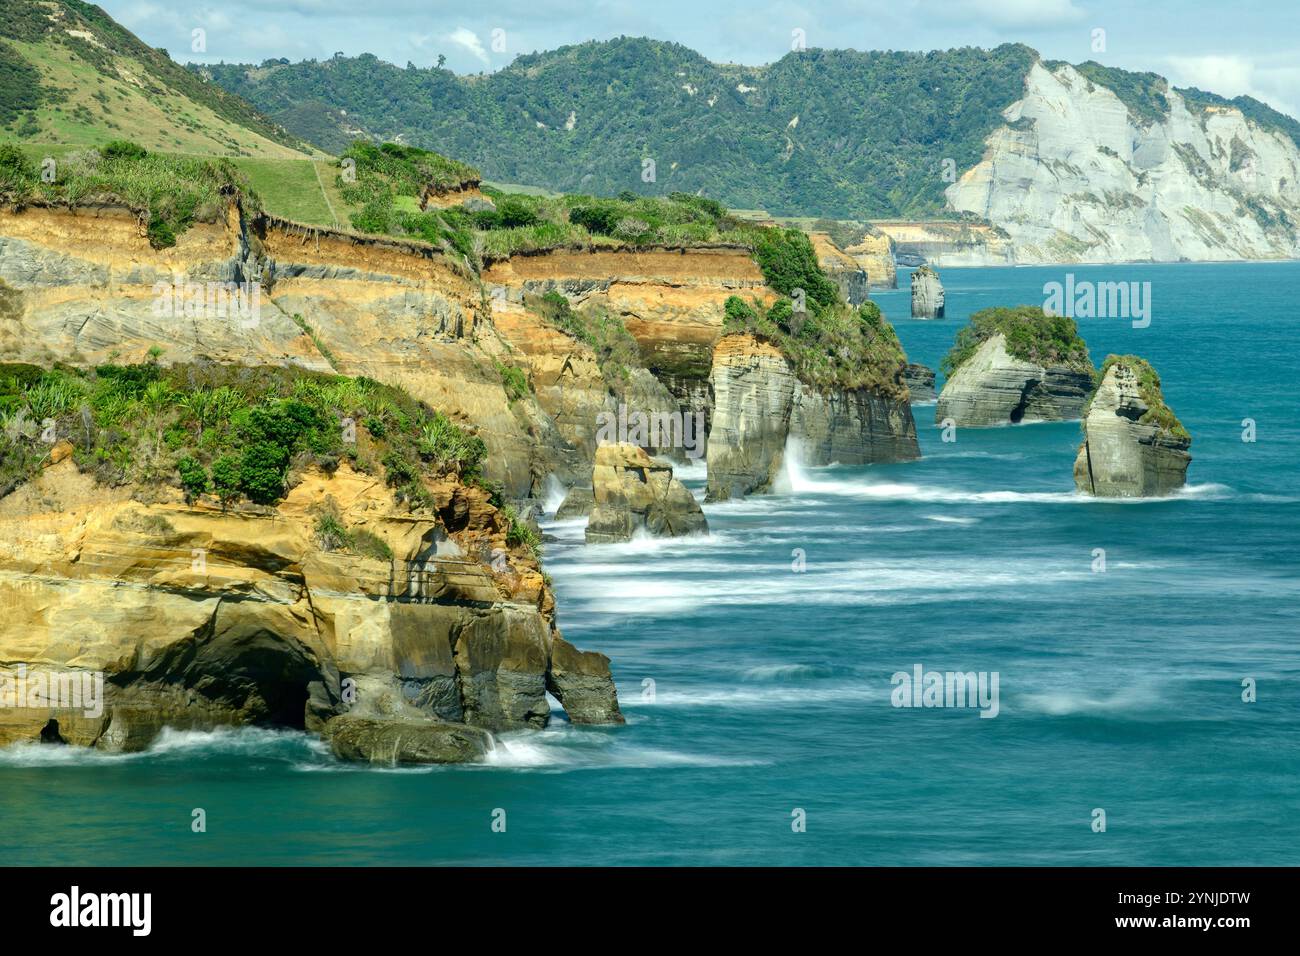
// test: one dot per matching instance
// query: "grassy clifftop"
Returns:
(1031, 334)
(231, 431)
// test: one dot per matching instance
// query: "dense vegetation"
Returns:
(173, 192)
(390, 180)
(1157, 413)
(616, 350)
(828, 341)
(873, 128)
(1031, 334)
(110, 47)
(1142, 93)
(229, 431)
(20, 85)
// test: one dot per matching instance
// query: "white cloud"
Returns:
(1236, 75)
(1020, 13)
(469, 40)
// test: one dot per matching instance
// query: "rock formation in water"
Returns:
(632, 492)
(1013, 366)
(198, 617)
(760, 404)
(1133, 444)
(920, 382)
(927, 294)
(841, 268)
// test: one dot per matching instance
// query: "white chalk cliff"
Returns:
(1074, 176)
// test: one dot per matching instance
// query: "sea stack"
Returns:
(1013, 366)
(634, 491)
(1133, 444)
(927, 294)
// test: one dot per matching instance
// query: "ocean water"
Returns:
(755, 692)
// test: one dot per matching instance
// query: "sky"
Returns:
(1226, 48)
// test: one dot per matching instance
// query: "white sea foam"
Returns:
(171, 744)
(562, 748)
(553, 496)
(1061, 703)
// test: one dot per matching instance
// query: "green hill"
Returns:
(833, 133)
(69, 74)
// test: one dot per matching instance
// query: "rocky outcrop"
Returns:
(577, 503)
(841, 268)
(993, 387)
(194, 618)
(403, 741)
(753, 397)
(632, 492)
(874, 252)
(920, 383)
(1133, 445)
(1075, 175)
(760, 405)
(927, 294)
(852, 426)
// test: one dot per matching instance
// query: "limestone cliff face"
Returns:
(760, 403)
(940, 243)
(993, 387)
(633, 492)
(1075, 177)
(199, 618)
(874, 253)
(844, 270)
(927, 294)
(671, 301)
(753, 398)
(1123, 456)
(86, 283)
(88, 288)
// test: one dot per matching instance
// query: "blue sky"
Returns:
(1227, 48)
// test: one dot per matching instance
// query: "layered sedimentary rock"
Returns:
(198, 618)
(927, 294)
(1076, 176)
(760, 405)
(89, 288)
(841, 268)
(84, 285)
(1133, 446)
(753, 397)
(993, 387)
(874, 252)
(670, 300)
(943, 243)
(633, 492)
(920, 382)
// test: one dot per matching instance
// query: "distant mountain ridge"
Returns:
(818, 133)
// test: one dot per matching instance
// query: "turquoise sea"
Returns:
(1119, 690)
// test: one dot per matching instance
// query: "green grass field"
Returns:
(299, 189)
